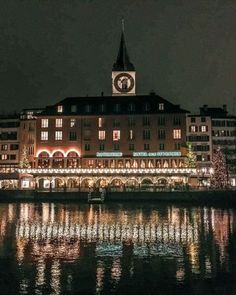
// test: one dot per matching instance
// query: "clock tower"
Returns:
(123, 72)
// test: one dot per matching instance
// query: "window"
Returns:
(193, 128)
(161, 107)
(161, 146)
(177, 133)
(44, 135)
(87, 135)
(116, 135)
(73, 108)
(147, 107)
(161, 121)
(131, 135)
(203, 128)
(4, 157)
(131, 147)
(58, 123)
(44, 123)
(146, 121)
(60, 109)
(101, 134)
(12, 157)
(100, 122)
(14, 147)
(102, 108)
(177, 121)
(72, 122)
(131, 122)
(131, 107)
(146, 147)
(4, 147)
(58, 135)
(72, 136)
(101, 146)
(193, 120)
(203, 119)
(146, 134)
(87, 123)
(87, 147)
(116, 147)
(116, 123)
(117, 108)
(88, 108)
(161, 134)
(177, 146)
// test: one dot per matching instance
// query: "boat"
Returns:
(97, 196)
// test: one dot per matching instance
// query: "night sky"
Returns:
(184, 50)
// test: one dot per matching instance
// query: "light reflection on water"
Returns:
(71, 248)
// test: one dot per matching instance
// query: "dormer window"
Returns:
(147, 107)
(73, 108)
(60, 109)
(131, 107)
(88, 108)
(161, 106)
(117, 108)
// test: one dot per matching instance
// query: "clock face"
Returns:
(124, 82)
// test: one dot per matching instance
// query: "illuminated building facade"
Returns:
(106, 133)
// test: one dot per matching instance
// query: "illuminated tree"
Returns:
(24, 163)
(219, 176)
(190, 160)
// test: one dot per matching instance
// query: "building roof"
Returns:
(215, 112)
(113, 105)
(123, 62)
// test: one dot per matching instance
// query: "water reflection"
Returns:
(61, 248)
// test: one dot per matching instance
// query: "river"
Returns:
(150, 248)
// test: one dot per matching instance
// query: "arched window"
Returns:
(43, 160)
(72, 160)
(58, 160)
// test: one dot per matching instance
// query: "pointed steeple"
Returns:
(122, 62)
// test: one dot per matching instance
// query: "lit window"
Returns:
(44, 135)
(161, 106)
(116, 135)
(4, 147)
(131, 134)
(203, 128)
(58, 135)
(100, 122)
(44, 123)
(177, 133)
(58, 123)
(72, 122)
(60, 109)
(193, 128)
(4, 157)
(73, 108)
(101, 134)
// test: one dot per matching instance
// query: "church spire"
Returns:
(122, 62)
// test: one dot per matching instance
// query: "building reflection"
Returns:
(115, 239)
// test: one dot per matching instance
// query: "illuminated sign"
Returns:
(157, 154)
(109, 154)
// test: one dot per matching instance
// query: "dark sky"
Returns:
(185, 50)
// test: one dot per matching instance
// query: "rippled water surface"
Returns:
(54, 248)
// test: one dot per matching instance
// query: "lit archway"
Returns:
(43, 159)
(58, 160)
(72, 159)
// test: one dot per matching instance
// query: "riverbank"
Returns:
(227, 197)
